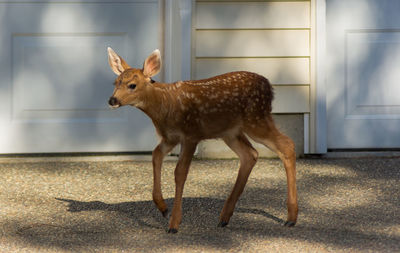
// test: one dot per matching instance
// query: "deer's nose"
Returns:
(113, 102)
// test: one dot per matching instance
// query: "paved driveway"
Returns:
(350, 205)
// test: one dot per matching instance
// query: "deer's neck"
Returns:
(159, 102)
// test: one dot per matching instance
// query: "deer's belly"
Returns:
(212, 127)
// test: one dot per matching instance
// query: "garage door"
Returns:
(55, 80)
(363, 83)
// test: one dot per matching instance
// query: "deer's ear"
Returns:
(117, 64)
(152, 64)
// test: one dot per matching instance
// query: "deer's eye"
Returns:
(132, 86)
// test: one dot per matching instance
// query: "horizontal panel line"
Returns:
(367, 151)
(373, 117)
(290, 112)
(68, 120)
(253, 29)
(381, 106)
(250, 57)
(290, 85)
(77, 2)
(68, 110)
(256, 1)
(69, 34)
(371, 30)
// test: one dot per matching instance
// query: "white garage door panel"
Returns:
(372, 60)
(363, 87)
(55, 79)
(52, 75)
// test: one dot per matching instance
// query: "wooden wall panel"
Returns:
(252, 43)
(271, 38)
(278, 70)
(242, 15)
(291, 99)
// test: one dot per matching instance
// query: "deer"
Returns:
(233, 107)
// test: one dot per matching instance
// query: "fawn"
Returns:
(230, 106)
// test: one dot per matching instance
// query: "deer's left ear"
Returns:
(152, 64)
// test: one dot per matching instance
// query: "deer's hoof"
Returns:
(289, 223)
(222, 224)
(165, 213)
(172, 231)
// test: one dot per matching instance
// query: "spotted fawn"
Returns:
(233, 107)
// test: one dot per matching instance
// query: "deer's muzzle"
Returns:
(113, 102)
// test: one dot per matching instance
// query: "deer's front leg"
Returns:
(158, 155)
(181, 172)
(248, 157)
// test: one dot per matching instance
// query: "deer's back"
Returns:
(212, 106)
(239, 92)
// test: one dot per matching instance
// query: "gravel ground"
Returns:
(346, 205)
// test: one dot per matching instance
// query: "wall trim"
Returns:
(306, 133)
(321, 122)
(177, 40)
(318, 118)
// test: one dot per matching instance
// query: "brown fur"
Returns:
(228, 106)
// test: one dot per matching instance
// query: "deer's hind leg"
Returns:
(265, 132)
(248, 157)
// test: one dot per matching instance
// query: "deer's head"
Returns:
(131, 83)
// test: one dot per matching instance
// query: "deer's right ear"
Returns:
(117, 64)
